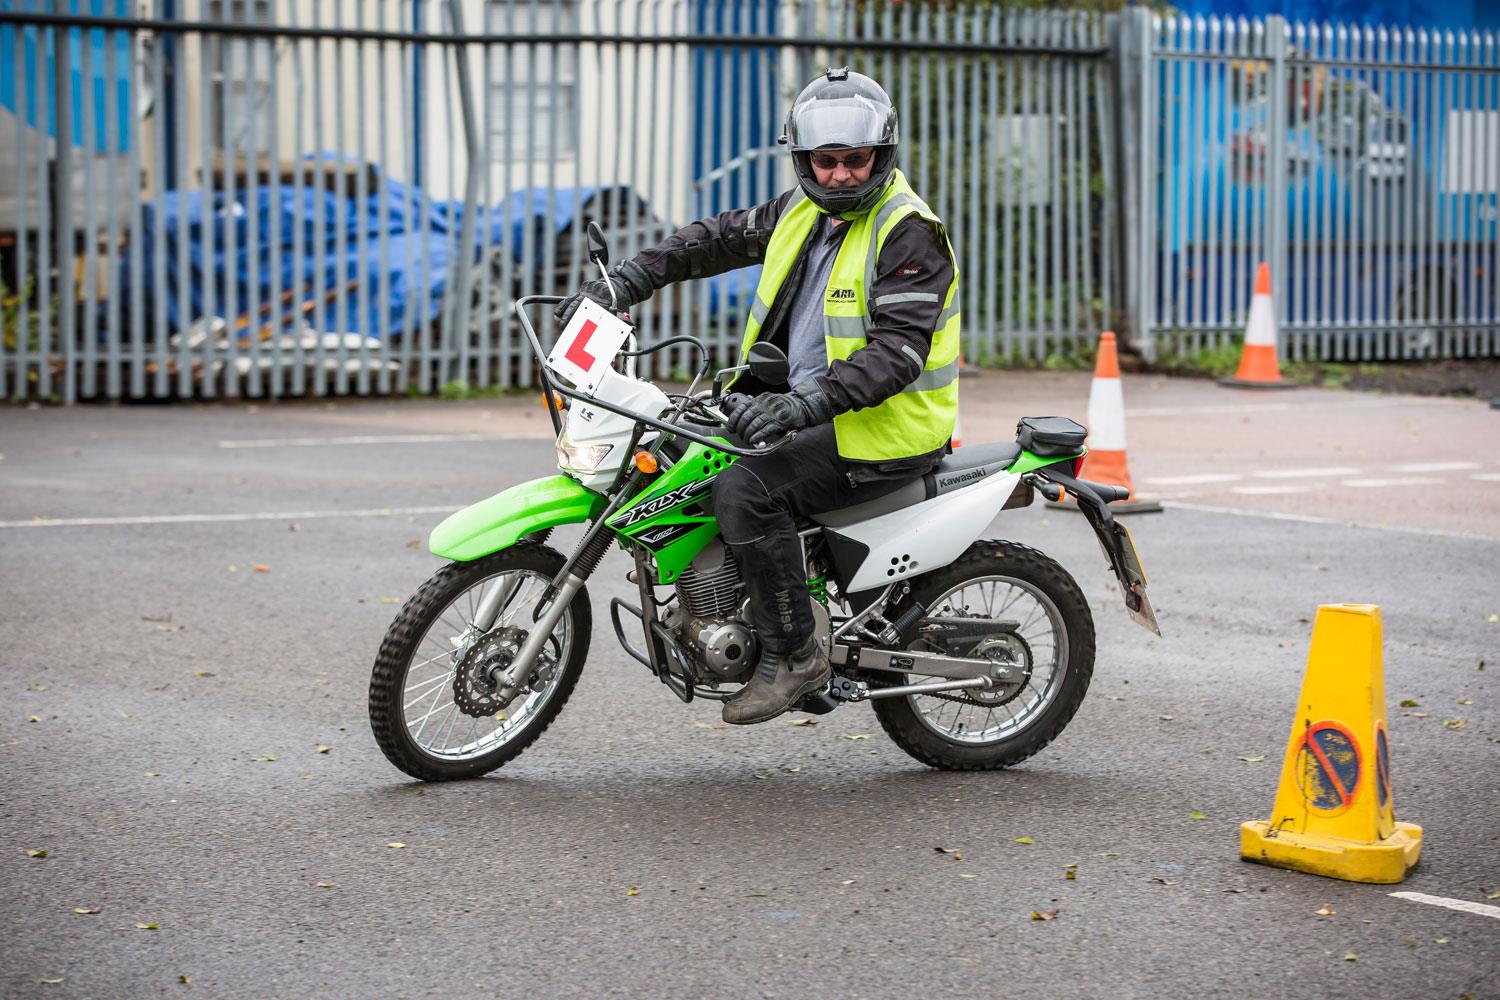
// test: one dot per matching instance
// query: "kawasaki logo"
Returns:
(846, 294)
(947, 482)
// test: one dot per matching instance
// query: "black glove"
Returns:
(632, 285)
(759, 419)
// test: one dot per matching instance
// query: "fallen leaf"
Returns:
(1163, 881)
(1492, 618)
(36, 852)
(946, 850)
(1324, 912)
(501, 716)
(1492, 895)
(803, 722)
(632, 891)
(1110, 854)
(1166, 718)
(1044, 915)
(1070, 875)
(294, 526)
(702, 725)
(1254, 759)
(1465, 701)
(390, 600)
(147, 927)
(34, 718)
(847, 881)
(967, 875)
(204, 673)
(395, 845)
(49, 982)
(768, 774)
(184, 980)
(265, 757)
(261, 568)
(122, 713)
(323, 885)
(791, 770)
(36, 687)
(1022, 840)
(1350, 956)
(233, 568)
(323, 749)
(1195, 814)
(1231, 890)
(855, 736)
(1418, 715)
(1455, 723)
(86, 910)
(169, 628)
(153, 774)
(1441, 940)
(1410, 703)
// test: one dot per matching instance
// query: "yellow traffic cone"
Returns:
(1334, 813)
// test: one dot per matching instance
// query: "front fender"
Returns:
(497, 522)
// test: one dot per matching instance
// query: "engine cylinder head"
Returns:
(710, 586)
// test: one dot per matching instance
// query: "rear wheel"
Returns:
(415, 709)
(1043, 630)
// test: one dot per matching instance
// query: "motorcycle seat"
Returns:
(969, 464)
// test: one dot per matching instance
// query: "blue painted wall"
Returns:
(1416, 13)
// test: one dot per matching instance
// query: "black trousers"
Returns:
(758, 501)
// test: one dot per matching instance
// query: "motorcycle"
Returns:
(973, 652)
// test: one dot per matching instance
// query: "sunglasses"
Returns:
(854, 161)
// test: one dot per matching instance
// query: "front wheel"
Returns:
(1043, 630)
(414, 703)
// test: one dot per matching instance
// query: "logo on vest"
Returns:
(841, 294)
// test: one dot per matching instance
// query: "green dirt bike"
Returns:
(974, 652)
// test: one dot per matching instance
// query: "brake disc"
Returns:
(475, 691)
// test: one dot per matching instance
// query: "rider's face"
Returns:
(841, 175)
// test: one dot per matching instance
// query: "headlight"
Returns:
(580, 457)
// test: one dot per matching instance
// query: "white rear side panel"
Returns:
(927, 535)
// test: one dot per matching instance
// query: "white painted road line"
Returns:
(1268, 490)
(1487, 477)
(285, 515)
(1435, 467)
(1462, 905)
(1329, 471)
(1195, 480)
(1309, 519)
(306, 442)
(1377, 484)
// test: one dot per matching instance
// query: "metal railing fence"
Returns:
(271, 198)
(291, 197)
(1363, 164)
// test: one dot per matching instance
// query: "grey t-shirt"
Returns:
(806, 349)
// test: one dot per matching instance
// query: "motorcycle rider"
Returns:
(859, 287)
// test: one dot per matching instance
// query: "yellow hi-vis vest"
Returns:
(918, 419)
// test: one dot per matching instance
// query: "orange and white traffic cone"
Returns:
(1105, 462)
(1258, 365)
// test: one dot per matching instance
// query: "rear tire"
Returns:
(422, 637)
(1016, 729)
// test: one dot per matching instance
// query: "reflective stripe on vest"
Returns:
(918, 419)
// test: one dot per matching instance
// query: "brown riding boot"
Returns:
(780, 681)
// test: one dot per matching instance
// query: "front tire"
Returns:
(413, 713)
(1053, 640)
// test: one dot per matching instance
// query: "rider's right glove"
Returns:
(759, 419)
(632, 285)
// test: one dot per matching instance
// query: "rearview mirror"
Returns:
(768, 364)
(598, 249)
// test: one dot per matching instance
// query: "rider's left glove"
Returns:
(632, 285)
(761, 419)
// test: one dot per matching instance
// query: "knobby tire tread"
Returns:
(898, 717)
(387, 681)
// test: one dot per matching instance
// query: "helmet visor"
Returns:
(849, 122)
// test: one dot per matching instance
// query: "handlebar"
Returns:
(550, 386)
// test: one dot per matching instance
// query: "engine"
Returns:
(709, 619)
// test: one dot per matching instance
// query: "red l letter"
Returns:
(576, 353)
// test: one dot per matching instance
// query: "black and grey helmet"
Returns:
(842, 110)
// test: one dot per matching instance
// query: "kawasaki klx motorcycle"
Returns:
(974, 652)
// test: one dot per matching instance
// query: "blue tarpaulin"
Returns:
(414, 266)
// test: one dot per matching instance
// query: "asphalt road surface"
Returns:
(193, 596)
